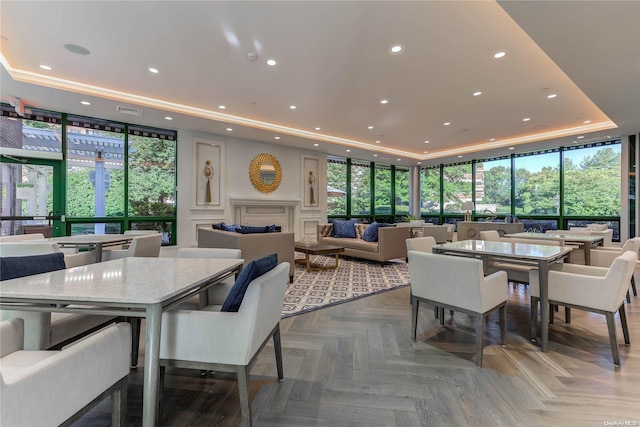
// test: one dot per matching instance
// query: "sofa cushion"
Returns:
(344, 228)
(252, 270)
(358, 244)
(21, 266)
(251, 229)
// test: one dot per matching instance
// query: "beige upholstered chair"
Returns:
(596, 289)
(458, 284)
(147, 245)
(604, 256)
(35, 247)
(209, 339)
(51, 388)
(422, 244)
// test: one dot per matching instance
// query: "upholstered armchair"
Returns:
(458, 284)
(596, 289)
(422, 244)
(210, 339)
(51, 388)
(603, 256)
(35, 247)
(146, 245)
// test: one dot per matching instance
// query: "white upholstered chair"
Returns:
(422, 244)
(52, 388)
(209, 339)
(596, 289)
(146, 245)
(458, 284)
(36, 247)
(603, 256)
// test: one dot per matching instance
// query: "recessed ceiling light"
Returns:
(375, 155)
(526, 119)
(316, 144)
(369, 127)
(460, 156)
(78, 50)
(399, 160)
(378, 142)
(154, 70)
(384, 101)
(45, 67)
(168, 118)
(348, 151)
(447, 123)
(553, 95)
(85, 103)
(425, 152)
(317, 128)
(581, 136)
(426, 142)
(276, 137)
(396, 48)
(512, 148)
(229, 129)
(419, 163)
(492, 139)
(293, 107)
(478, 93)
(222, 107)
(271, 62)
(587, 121)
(499, 55)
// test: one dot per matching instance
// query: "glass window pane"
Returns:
(163, 227)
(95, 177)
(96, 228)
(337, 187)
(383, 190)
(537, 184)
(493, 186)
(152, 176)
(457, 187)
(37, 135)
(592, 181)
(402, 191)
(360, 188)
(430, 191)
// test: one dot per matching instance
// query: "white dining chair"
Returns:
(147, 245)
(595, 289)
(459, 284)
(422, 244)
(603, 256)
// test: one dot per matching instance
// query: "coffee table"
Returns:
(317, 249)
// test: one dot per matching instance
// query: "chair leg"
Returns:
(479, 338)
(628, 296)
(552, 309)
(277, 345)
(119, 404)
(441, 315)
(503, 324)
(567, 314)
(625, 327)
(160, 392)
(633, 285)
(611, 325)
(135, 339)
(414, 318)
(534, 317)
(243, 391)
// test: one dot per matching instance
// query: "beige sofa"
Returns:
(252, 246)
(391, 242)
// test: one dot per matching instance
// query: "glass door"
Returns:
(29, 200)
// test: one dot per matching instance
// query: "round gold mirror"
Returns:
(265, 173)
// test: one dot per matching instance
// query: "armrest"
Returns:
(392, 242)
(495, 290)
(11, 336)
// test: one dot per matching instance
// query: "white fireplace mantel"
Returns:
(265, 211)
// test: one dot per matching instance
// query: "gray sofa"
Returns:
(252, 246)
(391, 242)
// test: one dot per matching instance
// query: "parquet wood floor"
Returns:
(354, 365)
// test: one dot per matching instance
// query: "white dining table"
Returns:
(541, 256)
(93, 242)
(584, 241)
(131, 287)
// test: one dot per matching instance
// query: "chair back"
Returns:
(619, 276)
(147, 245)
(490, 235)
(422, 244)
(140, 232)
(30, 247)
(219, 253)
(21, 237)
(447, 279)
(632, 244)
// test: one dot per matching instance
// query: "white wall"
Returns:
(235, 182)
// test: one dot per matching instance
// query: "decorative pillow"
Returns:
(344, 228)
(371, 233)
(21, 266)
(251, 229)
(251, 271)
(218, 226)
(233, 227)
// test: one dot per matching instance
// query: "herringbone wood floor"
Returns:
(354, 365)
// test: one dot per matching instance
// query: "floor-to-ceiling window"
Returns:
(360, 188)
(456, 187)
(337, 187)
(493, 186)
(430, 191)
(382, 190)
(537, 184)
(402, 191)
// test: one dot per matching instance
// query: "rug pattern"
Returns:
(354, 278)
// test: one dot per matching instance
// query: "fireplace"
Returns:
(265, 211)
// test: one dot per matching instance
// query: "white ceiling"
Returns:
(334, 64)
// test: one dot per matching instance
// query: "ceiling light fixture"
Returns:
(168, 118)
(492, 139)
(378, 141)
(587, 121)
(399, 160)
(154, 70)
(370, 127)
(85, 103)
(478, 93)
(384, 101)
(526, 119)
(375, 155)
(512, 148)
(293, 107)
(460, 156)
(317, 128)
(426, 142)
(316, 144)
(447, 123)
(229, 129)
(222, 107)
(581, 136)
(45, 67)
(396, 48)
(348, 151)
(425, 152)
(276, 137)
(419, 163)
(499, 55)
(271, 62)
(553, 95)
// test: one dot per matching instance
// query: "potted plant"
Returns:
(414, 220)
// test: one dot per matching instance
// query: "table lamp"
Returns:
(467, 207)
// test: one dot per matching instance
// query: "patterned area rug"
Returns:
(354, 278)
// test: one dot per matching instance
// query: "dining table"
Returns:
(584, 241)
(94, 242)
(542, 256)
(130, 287)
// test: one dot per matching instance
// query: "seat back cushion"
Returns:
(21, 266)
(255, 268)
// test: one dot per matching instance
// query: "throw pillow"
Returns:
(371, 233)
(251, 271)
(218, 226)
(226, 227)
(344, 228)
(250, 229)
(21, 266)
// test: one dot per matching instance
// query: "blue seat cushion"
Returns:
(250, 229)
(251, 271)
(21, 266)
(344, 228)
